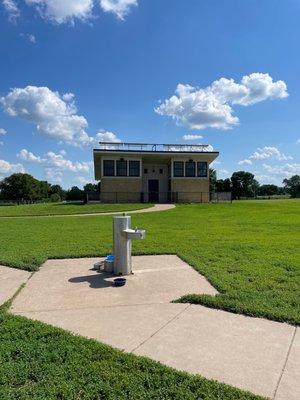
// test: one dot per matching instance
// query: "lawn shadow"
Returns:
(97, 281)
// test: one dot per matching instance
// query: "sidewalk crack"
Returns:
(285, 363)
(161, 328)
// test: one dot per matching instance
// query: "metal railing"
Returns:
(155, 147)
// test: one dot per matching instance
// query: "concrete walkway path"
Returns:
(155, 208)
(250, 353)
(10, 281)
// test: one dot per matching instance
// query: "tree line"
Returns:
(24, 188)
(243, 184)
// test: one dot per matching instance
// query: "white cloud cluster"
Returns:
(285, 170)
(54, 160)
(267, 152)
(61, 11)
(55, 164)
(3, 131)
(6, 168)
(191, 137)
(120, 8)
(246, 161)
(211, 107)
(54, 115)
(64, 11)
(107, 137)
(12, 9)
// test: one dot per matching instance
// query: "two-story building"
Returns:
(139, 172)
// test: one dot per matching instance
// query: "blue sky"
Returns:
(79, 71)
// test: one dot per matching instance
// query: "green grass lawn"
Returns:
(65, 209)
(247, 250)
(40, 362)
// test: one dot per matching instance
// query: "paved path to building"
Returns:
(10, 281)
(155, 208)
(250, 353)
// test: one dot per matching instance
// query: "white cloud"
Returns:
(267, 152)
(31, 38)
(53, 160)
(244, 162)
(266, 179)
(107, 137)
(191, 137)
(54, 115)
(285, 170)
(81, 180)
(68, 11)
(61, 11)
(120, 8)
(26, 155)
(1, 143)
(3, 131)
(53, 175)
(12, 9)
(298, 141)
(211, 107)
(6, 168)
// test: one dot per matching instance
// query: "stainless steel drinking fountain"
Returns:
(122, 236)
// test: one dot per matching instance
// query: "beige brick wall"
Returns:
(121, 190)
(97, 167)
(191, 190)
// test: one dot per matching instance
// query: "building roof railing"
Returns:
(155, 147)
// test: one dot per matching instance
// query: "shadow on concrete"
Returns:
(97, 281)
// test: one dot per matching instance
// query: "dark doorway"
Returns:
(153, 190)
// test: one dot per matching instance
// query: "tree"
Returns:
(243, 185)
(212, 179)
(55, 198)
(75, 194)
(223, 185)
(292, 185)
(44, 190)
(91, 188)
(268, 190)
(57, 189)
(21, 188)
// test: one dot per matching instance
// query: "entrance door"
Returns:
(153, 190)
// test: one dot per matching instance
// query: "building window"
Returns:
(178, 169)
(134, 168)
(190, 169)
(161, 171)
(145, 171)
(121, 168)
(202, 169)
(108, 168)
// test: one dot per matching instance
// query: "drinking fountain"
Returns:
(122, 237)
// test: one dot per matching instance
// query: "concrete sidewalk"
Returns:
(10, 281)
(250, 353)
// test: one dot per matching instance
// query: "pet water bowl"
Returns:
(120, 282)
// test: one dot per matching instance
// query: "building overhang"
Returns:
(150, 157)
